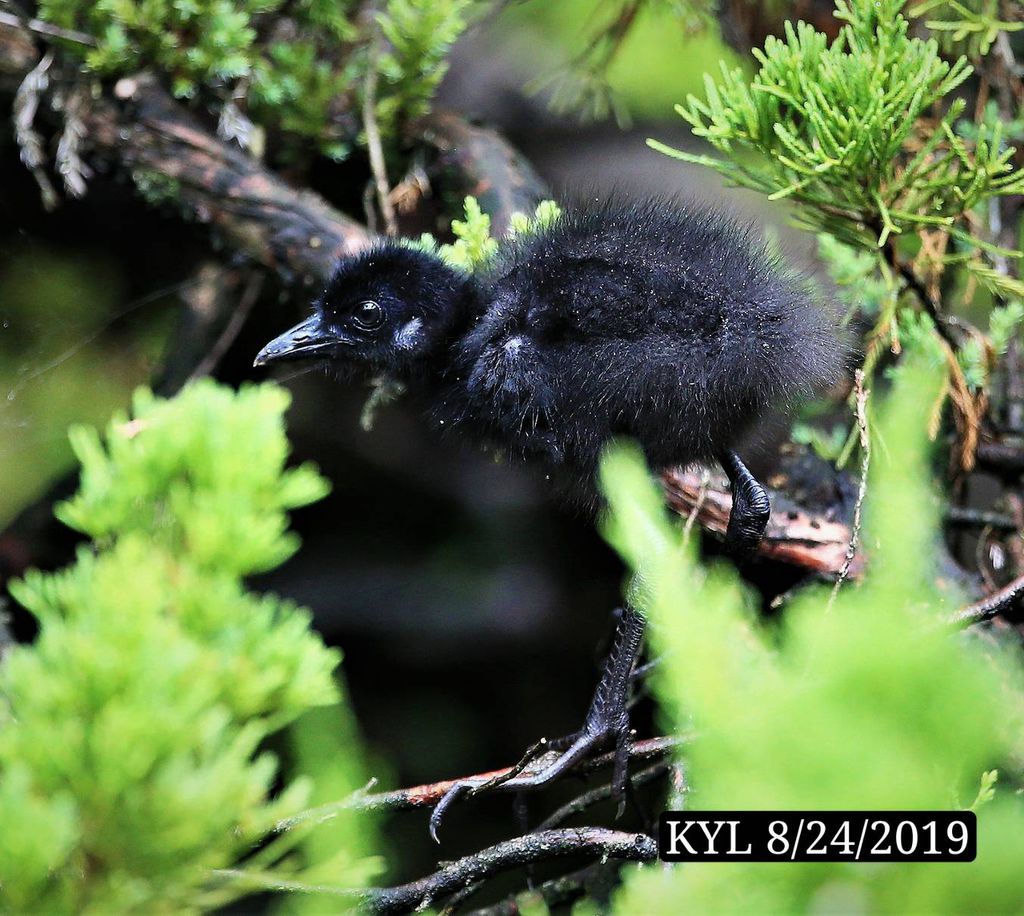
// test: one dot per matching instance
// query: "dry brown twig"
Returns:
(861, 411)
(374, 146)
(46, 29)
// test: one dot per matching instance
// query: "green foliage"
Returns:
(419, 34)
(544, 215)
(627, 56)
(976, 355)
(298, 88)
(298, 67)
(866, 135)
(966, 26)
(197, 42)
(1003, 324)
(917, 334)
(826, 445)
(860, 287)
(973, 363)
(870, 703)
(474, 246)
(131, 770)
(188, 485)
(1012, 129)
(841, 129)
(292, 82)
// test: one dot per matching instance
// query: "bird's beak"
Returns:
(308, 339)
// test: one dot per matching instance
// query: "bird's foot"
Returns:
(607, 723)
(751, 509)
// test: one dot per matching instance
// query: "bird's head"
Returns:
(388, 310)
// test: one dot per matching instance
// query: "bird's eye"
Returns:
(369, 316)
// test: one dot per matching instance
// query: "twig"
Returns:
(231, 329)
(536, 847)
(456, 900)
(678, 787)
(430, 794)
(977, 518)
(594, 796)
(931, 306)
(996, 603)
(30, 143)
(373, 141)
(205, 303)
(556, 891)
(861, 405)
(698, 504)
(39, 27)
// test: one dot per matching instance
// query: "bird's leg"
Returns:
(607, 721)
(750, 509)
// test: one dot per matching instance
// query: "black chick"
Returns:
(663, 323)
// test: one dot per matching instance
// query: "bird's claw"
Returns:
(474, 787)
(607, 722)
(582, 747)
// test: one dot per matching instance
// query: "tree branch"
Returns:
(997, 603)
(596, 881)
(293, 232)
(796, 534)
(469, 159)
(600, 794)
(429, 794)
(551, 844)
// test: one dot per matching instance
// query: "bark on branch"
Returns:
(292, 231)
(796, 534)
(595, 842)
(474, 160)
(144, 131)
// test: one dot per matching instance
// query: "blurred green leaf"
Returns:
(132, 773)
(873, 703)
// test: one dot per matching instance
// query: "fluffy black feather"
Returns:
(668, 324)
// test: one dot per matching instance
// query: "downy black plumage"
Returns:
(662, 323)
